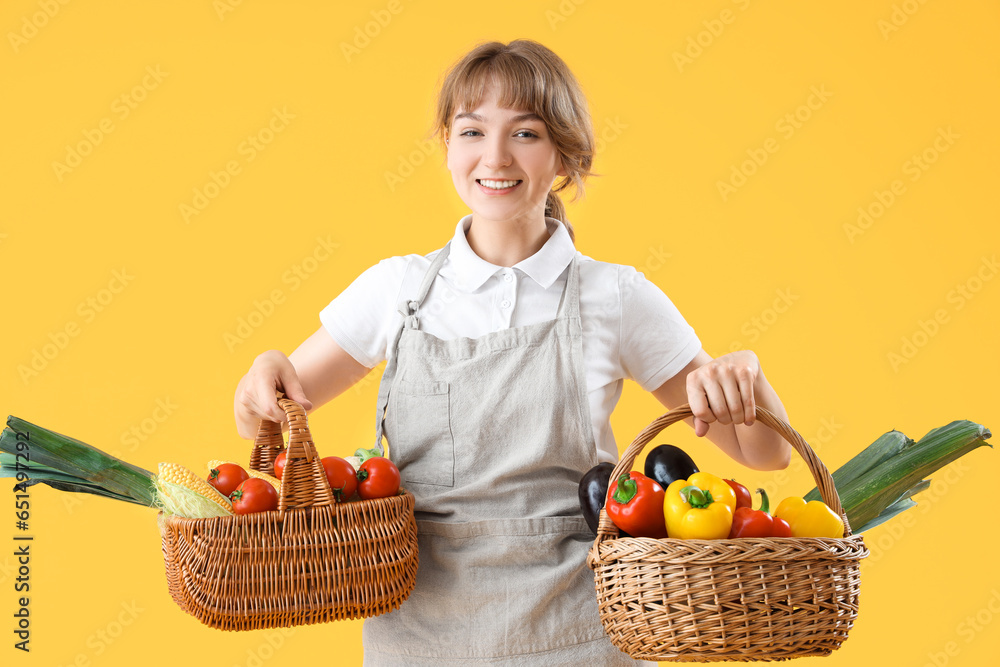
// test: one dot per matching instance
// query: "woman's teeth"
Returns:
(498, 185)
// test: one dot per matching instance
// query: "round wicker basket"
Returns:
(310, 561)
(742, 599)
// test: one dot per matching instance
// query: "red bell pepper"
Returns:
(749, 522)
(635, 505)
(743, 497)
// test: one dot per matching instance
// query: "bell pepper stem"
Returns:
(764, 506)
(696, 497)
(625, 490)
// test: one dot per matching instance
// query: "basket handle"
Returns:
(303, 481)
(607, 529)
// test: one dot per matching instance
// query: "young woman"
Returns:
(506, 351)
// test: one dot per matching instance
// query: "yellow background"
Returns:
(772, 265)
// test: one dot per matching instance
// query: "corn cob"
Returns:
(181, 492)
(273, 481)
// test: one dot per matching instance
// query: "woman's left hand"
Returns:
(722, 390)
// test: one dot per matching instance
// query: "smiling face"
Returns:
(503, 162)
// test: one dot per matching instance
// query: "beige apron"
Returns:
(492, 436)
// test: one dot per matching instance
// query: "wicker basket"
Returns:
(310, 561)
(740, 599)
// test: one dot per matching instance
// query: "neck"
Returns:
(505, 243)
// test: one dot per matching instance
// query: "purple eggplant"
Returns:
(593, 491)
(667, 463)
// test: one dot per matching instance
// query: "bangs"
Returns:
(518, 86)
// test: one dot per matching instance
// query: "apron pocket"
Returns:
(421, 442)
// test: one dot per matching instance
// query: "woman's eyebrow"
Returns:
(516, 119)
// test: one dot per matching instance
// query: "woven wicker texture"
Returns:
(735, 600)
(310, 561)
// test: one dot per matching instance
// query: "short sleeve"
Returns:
(656, 341)
(362, 317)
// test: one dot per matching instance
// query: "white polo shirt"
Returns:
(631, 329)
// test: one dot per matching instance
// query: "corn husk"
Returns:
(184, 502)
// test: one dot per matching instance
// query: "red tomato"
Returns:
(378, 477)
(279, 464)
(254, 495)
(342, 477)
(227, 477)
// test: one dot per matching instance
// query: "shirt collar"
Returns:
(472, 271)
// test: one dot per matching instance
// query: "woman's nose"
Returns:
(496, 154)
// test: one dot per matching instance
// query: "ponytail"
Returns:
(554, 208)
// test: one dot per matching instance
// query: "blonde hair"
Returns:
(532, 78)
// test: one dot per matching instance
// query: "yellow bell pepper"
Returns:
(699, 508)
(812, 519)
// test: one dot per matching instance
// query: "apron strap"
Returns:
(408, 309)
(569, 302)
(569, 307)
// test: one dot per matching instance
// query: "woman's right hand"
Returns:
(256, 394)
